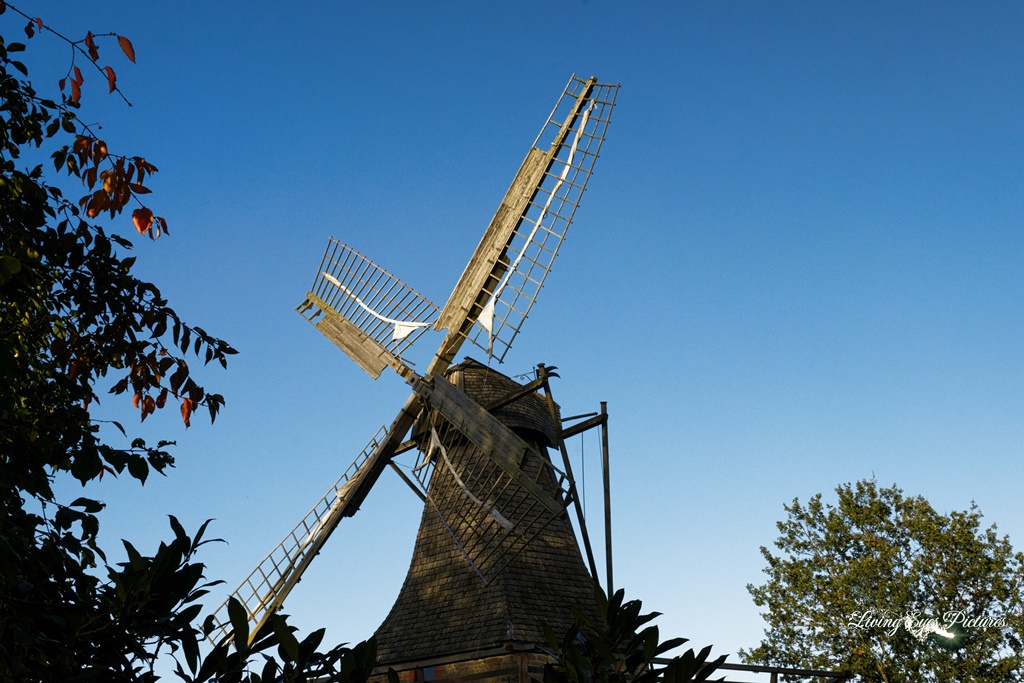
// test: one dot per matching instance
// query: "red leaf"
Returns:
(98, 201)
(143, 220)
(90, 42)
(148, 406)
(126, 47)
(187, 405)
(111, 78)
(62, 82)
(76, 86)
(39, 22)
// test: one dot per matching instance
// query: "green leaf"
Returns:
(138, 467)
(89, 505)
(134, 557)
(239, 624)
(190, 646)
(288, 642)
(179, 531)
(9, 265)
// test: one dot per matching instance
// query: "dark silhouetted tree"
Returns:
(74, 317)
(619, 647)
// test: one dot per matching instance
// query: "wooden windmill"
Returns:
(491, 492)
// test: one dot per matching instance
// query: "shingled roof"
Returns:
(444, 607)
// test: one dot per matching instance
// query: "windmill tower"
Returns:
(496, 554)
(484, 617)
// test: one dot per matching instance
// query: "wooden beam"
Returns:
(357, 345)
(405, 477)
(573, 493)
(486, 265)
(494, 439)
(581, 427)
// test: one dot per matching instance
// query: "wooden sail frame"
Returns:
(530, 224)
(263, 592)
(364, 310)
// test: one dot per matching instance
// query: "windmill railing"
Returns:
(774, 673)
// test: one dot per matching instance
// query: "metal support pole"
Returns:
(607, 496)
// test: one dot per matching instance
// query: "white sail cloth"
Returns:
(402, 328)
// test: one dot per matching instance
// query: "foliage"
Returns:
(74, 318)
(616, 649)
(879, 556)
(297, 661)
(72, 312)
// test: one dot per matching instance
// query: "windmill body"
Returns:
(446, 618)
(496, 554)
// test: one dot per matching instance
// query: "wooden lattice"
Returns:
(365, 310)
(515, 256)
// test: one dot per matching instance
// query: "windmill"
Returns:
(492, 491)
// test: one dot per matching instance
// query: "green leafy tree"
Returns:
(618, 647)
(879, 582)
(75, 320)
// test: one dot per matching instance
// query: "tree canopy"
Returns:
(74, 321)
(882, 585)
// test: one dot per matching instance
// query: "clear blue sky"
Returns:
(799, 262)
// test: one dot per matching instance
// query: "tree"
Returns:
(75, 320)
(883, 586)
(618, 648)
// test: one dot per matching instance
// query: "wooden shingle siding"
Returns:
(444, 608)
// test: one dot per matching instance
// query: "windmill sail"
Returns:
(367, 312)
(493, 492)
(506, 272)
(265, 589)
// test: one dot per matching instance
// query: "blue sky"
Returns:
(799, 261)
